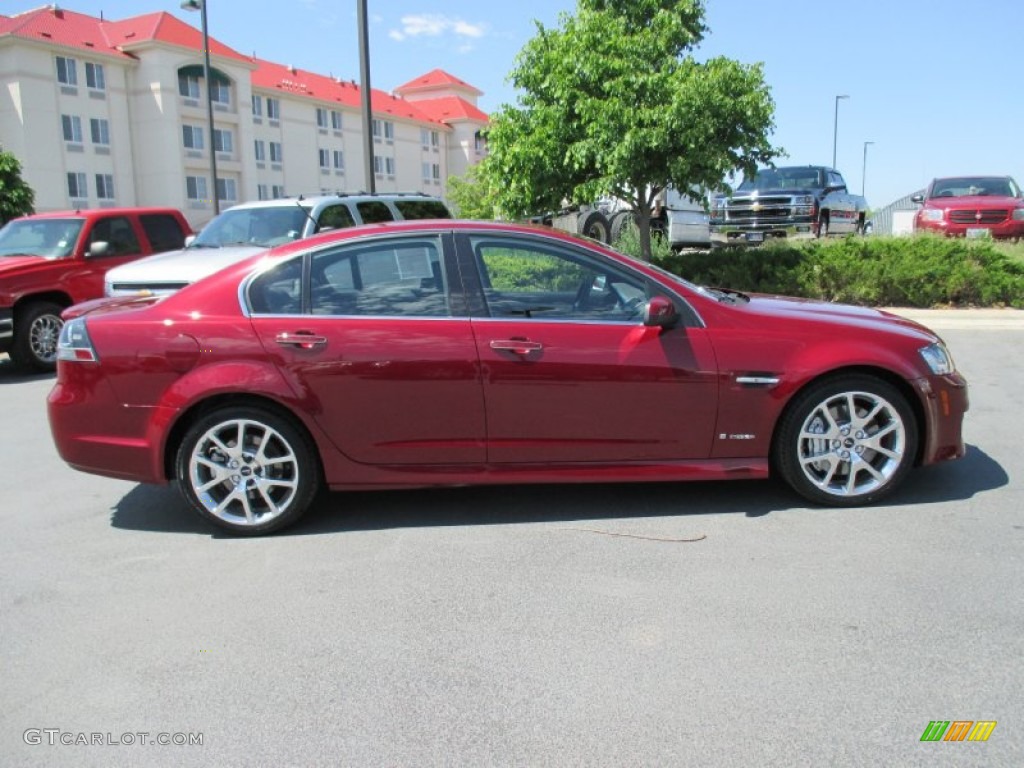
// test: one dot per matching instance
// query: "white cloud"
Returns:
(435, 25)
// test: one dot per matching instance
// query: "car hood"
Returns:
(976, 201)
(184, 266)
(847, 315)
(19, 262)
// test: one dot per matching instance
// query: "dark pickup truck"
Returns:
(796, 202)
(49, 261)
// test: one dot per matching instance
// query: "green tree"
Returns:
(16, 197)
(472, 195)
(613, 102)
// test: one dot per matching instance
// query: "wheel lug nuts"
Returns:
(236, 479)
(844, 454)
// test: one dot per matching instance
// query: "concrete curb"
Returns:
(964, 319)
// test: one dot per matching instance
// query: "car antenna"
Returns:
(306, 212)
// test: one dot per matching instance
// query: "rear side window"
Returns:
(335, 217)
(422, 209)
(400, 278)
(163, 231)
(374, 212)
(278, 291)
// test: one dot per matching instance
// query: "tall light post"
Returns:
(367, 101)
(864, 168)
(835, 129)
(200, 5)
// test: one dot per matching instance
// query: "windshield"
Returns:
(975, 185)
(262, 227)
(50, 238)
(783, 178)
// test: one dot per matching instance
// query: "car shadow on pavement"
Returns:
(161, 509)
(11, 374)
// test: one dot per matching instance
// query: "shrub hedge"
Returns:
(921, 271)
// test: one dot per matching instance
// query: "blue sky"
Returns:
(935, 84)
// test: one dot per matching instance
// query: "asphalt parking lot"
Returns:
(506, 626)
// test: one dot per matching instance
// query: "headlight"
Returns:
(938, 359)
(932, 214)
(1018, 214)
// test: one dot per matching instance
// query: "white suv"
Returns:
(248, 228)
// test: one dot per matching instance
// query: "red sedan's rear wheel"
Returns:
(247, 470)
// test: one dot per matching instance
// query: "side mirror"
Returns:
(918, 198)
(660, 312)
(189, 240)
(99, 248)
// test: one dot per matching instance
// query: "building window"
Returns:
(325, 159)
(188, 86)
(335, 119)
(220, 92)
(71, 125)
(67, 71)
(426, 172)
(375, 129)
(94, 77)
(100, 131)
(479, 142)
(195, 188)
(257, 106)
(389, 165)
(261, 151)
(76, 186)
(104, 186)
(277, 191)
(378, 164)
(223, 141)
(429, 138)
(273, 108)
(192, 136)
(226, 190)
(389, 131)
(339, 160)
(321, 117)
(435, 171)
(435, 139)
(262, 192)
(276, 152)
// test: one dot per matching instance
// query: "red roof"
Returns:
(87, 33)
(298, 82)
(437, 79)
(449, 108)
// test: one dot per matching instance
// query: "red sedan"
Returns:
(971, 206)
(451, 353)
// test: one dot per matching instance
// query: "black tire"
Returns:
(855, 460)
(268, 472)
(619, 222)
(36, 331)
(594, 224)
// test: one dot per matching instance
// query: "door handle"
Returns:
(516, 346)
(301, 339)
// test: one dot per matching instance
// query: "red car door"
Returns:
(570, 373)
(373, 346)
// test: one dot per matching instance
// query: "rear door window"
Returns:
(422, 209)
(374, 212)
(163, 231)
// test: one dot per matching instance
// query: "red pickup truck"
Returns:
(49, 261)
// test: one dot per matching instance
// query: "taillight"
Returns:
(74, 343)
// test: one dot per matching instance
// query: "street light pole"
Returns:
(367, 101)
(864, 169)
(835, 129)
(200, 5)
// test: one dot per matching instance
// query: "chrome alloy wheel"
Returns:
(42, 337)
(851, 444)
(244, 472)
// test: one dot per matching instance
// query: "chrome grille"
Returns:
(762, 209)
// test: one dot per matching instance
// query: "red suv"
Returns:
(50, 261)
(971, 206)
